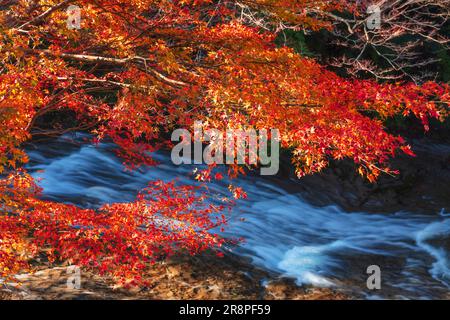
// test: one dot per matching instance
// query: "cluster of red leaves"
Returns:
(121, 240)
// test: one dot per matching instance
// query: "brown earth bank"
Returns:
(203, 277)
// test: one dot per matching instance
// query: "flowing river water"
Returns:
(320, 246)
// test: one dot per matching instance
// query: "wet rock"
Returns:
(423, 185)
(285, 289)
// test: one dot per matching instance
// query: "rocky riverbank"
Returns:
(184, 277)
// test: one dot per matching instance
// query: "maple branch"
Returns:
(45, 14)
(57, 133)
(114, 83)
(115, 61)
(404, 28)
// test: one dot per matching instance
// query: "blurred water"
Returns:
(322, 246)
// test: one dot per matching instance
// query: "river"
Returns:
(320, 246)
